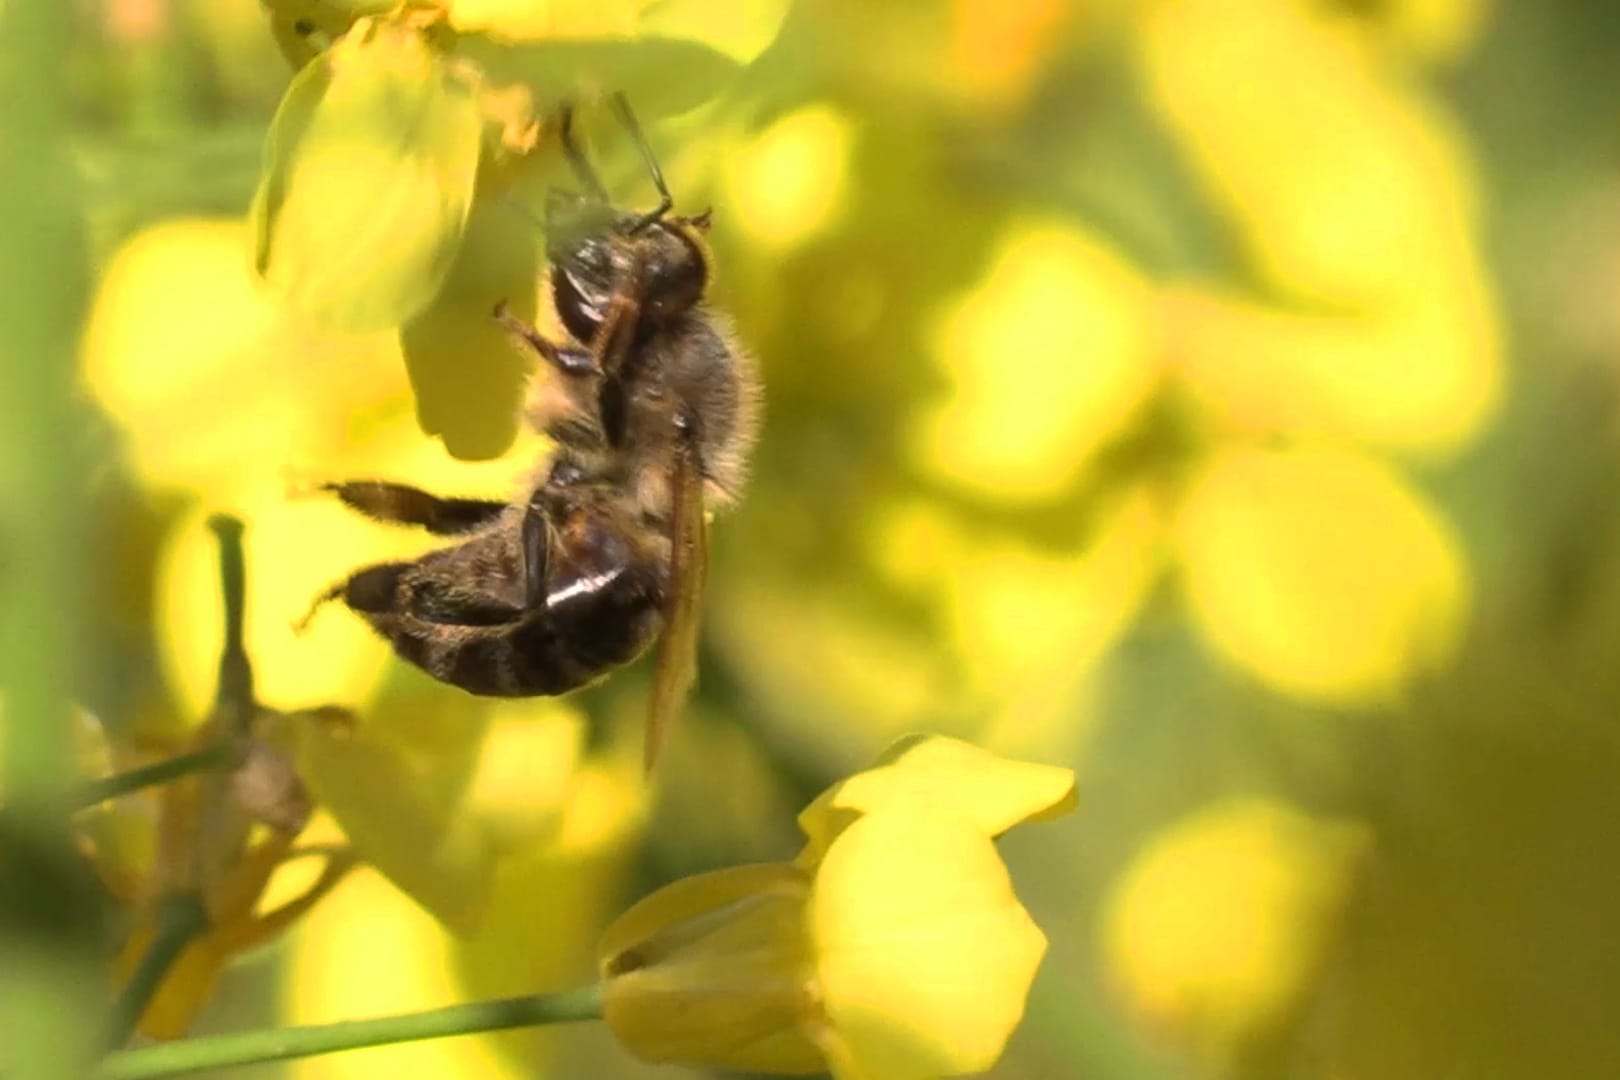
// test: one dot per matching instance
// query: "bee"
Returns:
(652, 410)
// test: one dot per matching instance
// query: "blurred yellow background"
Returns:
(1213, 396)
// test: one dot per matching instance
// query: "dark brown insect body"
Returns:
(652, 411)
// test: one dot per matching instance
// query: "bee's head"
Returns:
(595, 249)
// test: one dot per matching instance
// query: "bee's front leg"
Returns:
(568, 359)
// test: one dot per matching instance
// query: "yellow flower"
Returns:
(1223, 919)
(893, 947)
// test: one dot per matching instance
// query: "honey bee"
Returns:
(652, 410)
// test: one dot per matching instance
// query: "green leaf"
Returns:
(369, 174)
(468, 375)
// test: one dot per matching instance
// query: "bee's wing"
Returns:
(676, 669)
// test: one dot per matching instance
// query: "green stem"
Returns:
(234, 695)
(284, 1044)
(180, 919)
(159, 772)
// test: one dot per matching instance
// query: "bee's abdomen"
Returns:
(546, 653)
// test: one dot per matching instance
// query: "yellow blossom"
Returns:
(1223, 919)
(893, 947)
(1320, 571)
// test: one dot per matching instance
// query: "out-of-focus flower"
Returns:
(1048, 357)
(389, 198)
(1223, 919)
(217, 839)
(893, 947)
(557, 835)
(233, 402)
(1320, 570)
(370, 168)
(976, 56)
(1317, 568)
(1429, 31)
(238, 403)
(789, 183)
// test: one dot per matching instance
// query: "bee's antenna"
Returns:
(666, 201)
(576, 157)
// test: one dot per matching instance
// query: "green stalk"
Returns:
(180, 918)
(182, 915)
(50, 952)
(285, 1044)
(159, 772)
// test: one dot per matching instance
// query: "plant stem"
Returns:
(182, 915)
(234, 695)
(51, 984)
(159, 772)
(284, 1044)
(180, 918)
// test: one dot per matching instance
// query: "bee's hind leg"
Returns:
(401, 504)
(370, 590)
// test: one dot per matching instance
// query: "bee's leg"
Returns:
(613, 344)
(666, 201)
(536, 553)
(335, 592)
(576, 158)
(568, 359)
(401, 504)
(370, 590)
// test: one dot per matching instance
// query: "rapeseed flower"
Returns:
(893, 946)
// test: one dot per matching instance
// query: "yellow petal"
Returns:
(1346, 186)
(522, 784)
(185, 989)
(368, 950)
(405, 817)
(1433, 31)
(1422, 375)
(468, 373)
(932, 774)
(1321, 572)
(1219, 922)
(831, 654)
(371, 163)
(739, 31)
(661, 76)
(548, 19)
(1047, 358)
(999, 48)
(714, 969)
(553, 895)
(923, 953)
(175, 376)
(1025, 615)
(788, 183)
(294, 551)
